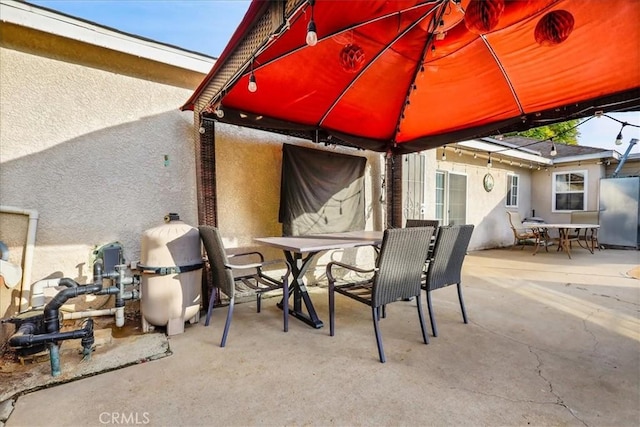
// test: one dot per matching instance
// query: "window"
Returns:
(513, 187)
(413, 173)
(569, 191)
(440, 196)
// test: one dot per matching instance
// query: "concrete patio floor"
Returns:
(551, 341)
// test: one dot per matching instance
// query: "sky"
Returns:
(205, 26)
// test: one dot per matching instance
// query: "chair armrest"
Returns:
(277, 262)
(246, 254)
(347, 267)
(260, 265)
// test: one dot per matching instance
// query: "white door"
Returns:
(451, 198)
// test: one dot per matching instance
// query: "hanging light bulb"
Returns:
(253, 86)
(219, 112)
(489, 164)
(553, 151)
(444, 154)
(619, 137)
(312, 35)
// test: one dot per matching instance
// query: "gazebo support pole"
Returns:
(394, 190)
(206, 185)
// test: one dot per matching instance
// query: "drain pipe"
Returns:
(52, 321)
(29, 246)
(38, 297)
(633, 142)
(52, 309)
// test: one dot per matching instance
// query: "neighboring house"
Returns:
(524, 177)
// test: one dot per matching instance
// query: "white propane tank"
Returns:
(171, 275)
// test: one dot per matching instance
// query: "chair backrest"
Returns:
(445, 267)
(222, 277)
(400, 264)
(515, 220)
(584, 217)
(422, 223)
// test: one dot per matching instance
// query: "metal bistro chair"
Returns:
(252, 276)
(397, 276)
(445, 267)
(521, 234)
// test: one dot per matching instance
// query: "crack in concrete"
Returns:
(559, 401)
(596, 343)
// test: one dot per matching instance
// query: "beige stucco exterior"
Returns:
(542, 197)
(92, 140)
(248, 167)
(486, 210)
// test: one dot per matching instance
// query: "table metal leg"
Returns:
(564, 241)
(299, 267)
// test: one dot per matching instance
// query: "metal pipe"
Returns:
(633, 142)
(54, 358)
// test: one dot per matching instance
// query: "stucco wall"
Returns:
(86, 148)
(248, 167)
(486, 210)
(542, 194)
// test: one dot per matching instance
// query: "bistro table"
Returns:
(301, 250)
(563, 232)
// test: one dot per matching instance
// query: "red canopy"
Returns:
(407, 75)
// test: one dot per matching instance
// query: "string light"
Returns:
(253, 85)
(444, 154)
(312, 35)
(619, 137)
(597, 114)
(489, 164)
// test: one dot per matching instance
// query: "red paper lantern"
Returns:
(482, 16)
(352, 58)
(554, 28)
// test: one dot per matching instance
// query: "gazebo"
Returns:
(409, 75)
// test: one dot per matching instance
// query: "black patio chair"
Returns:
(435, 223)
(396, 276)
(445, 266)
(251, 275)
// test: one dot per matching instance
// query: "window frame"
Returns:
(507, 201)
(584, 192)
(446, 196)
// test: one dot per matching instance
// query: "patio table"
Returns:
(300, 252)
(563, 233)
